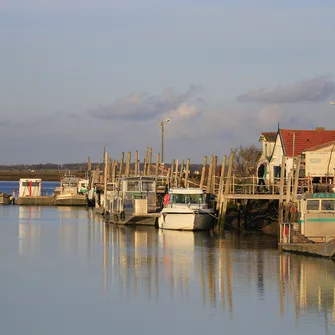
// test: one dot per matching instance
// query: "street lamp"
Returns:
(331, 102)
(162, 125)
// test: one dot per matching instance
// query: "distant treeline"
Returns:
(73, 167)
(49, 166)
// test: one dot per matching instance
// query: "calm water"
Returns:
(64, 272)
(10, 186)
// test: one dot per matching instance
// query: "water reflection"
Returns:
(311, 282)
(29, 230)
(229, 275)
(152, 262)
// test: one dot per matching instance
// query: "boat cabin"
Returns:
(317, 215)
(83, 186)
(30, 187)
(69, 185)
(185, 196)
(135, 195)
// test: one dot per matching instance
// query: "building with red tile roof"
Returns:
(294, 142)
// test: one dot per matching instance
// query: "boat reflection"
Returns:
(29, 230)
(311, 283)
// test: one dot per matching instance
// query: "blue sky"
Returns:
(76, 75)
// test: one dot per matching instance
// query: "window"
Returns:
(148, 186)
(313, 205)
(196, 198)
(327, 205)
(133, 185)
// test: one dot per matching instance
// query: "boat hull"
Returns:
(71, 200)
(147, 219)
(5, 199)
(192, 220)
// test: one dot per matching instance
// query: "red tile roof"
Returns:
(297, 141)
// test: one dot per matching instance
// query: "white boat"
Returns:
(186, 209)
(68, 195)
(132, 201)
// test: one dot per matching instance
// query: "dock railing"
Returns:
(249, 185)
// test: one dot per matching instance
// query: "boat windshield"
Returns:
(188, 198)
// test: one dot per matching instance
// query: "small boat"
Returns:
(132, 201)
(6, 199)
(186, 209)
(311, 226)
(68, 193)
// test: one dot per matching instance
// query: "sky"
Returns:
(76, 75)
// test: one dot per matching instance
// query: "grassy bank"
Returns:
(45, 175)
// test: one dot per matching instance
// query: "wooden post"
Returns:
(172, 172)
(121, 165)
(149, 162)
(105, 181)
(281, 196)
(215, 163)
(209, 177)
(221, 182)
(186, 172)
(127, 172)
(114, 170)
(203, 171)
(176, 174)
(181, 173)
(157, 165)
(136, 163)
(145, 161)
(227, 186)
(89, 165)
(288, 194)
(296, 178)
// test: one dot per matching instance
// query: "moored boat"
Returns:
(132, 201)
(6, 199)
(186, 209)
(68, 193)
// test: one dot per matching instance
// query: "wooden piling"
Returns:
(176, 174)
(209, 177)
(213, 182)
(127, 172)
(227, 187)
(171, 172)
(281, 196)
(203, 172)
(149, 162)
(187, 172)
(121, 165)
(296, 178)
(89, 165)
(221, 182)
(105, 180)
(136, 163)
(157, 165)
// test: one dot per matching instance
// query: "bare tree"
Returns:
(246, 160)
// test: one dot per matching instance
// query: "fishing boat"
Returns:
(131, 201)
(186, 209)
(312, 230)
(6, 199)
(68, 194)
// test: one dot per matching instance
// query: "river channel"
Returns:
(63, 271)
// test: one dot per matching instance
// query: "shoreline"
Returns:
(46, 175)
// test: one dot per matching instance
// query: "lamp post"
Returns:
(162, 125)
(331, 102)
